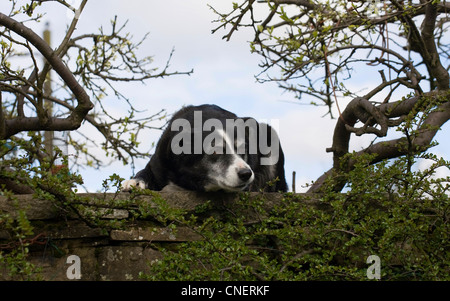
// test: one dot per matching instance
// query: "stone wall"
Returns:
(66, 248)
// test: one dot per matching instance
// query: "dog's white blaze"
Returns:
(229, 145)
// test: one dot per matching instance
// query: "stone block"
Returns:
(119, 263)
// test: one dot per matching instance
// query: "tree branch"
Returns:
(386, 149)
(73, 121)
(431, 54)
(304, 3)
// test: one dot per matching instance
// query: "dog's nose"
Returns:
(245, 174)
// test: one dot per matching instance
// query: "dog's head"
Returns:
(210, 159)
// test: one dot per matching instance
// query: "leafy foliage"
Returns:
(15, 261)
(399, 215)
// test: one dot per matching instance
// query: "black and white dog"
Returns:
(206, 148)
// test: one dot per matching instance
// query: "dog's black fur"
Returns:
(194, 171)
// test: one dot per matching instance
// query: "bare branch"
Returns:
(73, 121)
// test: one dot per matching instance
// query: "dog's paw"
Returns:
(127, 185)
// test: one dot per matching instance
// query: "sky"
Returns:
(223, 75)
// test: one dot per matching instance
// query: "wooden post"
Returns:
(293, 181)
(48, 135)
